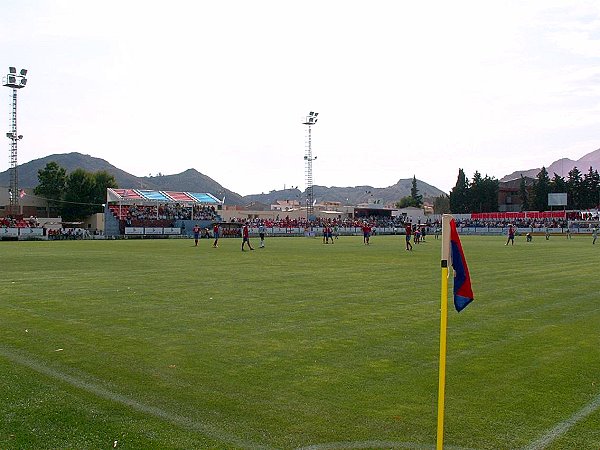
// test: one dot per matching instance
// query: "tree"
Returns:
(52, 180)
(441, 204)
(540, 191)
(79, 193)
(558, 185)
(85, 193)
(591, 189)
(574, 188)
(414, 193)
(102, 181)
(489, 194)
(475, 193)
(459, 195)
(523, 194)
(406, 202)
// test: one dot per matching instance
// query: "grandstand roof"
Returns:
(149, 196)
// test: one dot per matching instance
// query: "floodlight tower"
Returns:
(15, 82)
(309, 121)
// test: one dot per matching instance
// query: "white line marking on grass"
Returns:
(176, 419)
(376, 444)
(564, 426)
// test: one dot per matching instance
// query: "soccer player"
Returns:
(511, 235)
(327, 234)
(408, 230)
(216, 235)
(196, 231)
(594, 235)
(366, 229)
(246, 236)
(261, 233)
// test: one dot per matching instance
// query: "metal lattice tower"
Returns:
(15, 82)
(309, 121)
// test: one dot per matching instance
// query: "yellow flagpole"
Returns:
(443, 328)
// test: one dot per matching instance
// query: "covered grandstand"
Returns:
(157, 213)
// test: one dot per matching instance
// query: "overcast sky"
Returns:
(403, 88)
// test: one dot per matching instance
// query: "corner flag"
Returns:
(463, 294)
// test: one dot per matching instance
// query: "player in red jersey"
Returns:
(246, 237)
(408, 230)
(216, 232)
(366, 229)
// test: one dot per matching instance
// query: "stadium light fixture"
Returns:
(309, 121)
(15, 82)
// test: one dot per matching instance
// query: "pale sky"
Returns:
(402, 88)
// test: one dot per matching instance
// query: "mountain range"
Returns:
(562, 167)
(193, 181)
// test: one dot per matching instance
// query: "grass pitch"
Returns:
(160, 344)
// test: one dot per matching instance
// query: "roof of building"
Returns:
(150, 196)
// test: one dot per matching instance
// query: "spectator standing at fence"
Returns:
(408, 231)
(196, 231)
(511, 235)
(246, 237)
(261, 234)
(216, 235)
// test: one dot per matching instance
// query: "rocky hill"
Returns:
(193, 181)
(562, 167)
(351, 195)
(190, 180)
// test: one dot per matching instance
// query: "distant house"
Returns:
(411, 214)
(29, 204)
(509, 199)
(285, 205)
(257, 206)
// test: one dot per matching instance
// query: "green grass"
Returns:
(160, 344)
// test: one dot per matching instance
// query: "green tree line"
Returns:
(583, 190)
(76, 195)
(481, 193)
(478, 195)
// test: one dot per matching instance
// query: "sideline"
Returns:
(564, 426)
(377, 444)
(176, 419)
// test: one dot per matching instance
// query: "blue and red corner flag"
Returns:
(463, 293)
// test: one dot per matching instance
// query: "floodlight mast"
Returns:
(15, 81)
(309, 121)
